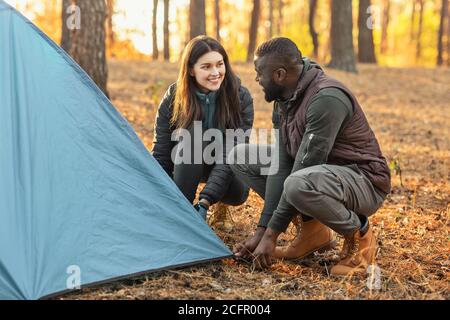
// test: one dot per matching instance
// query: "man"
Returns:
(331, 170)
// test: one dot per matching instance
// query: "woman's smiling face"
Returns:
(209, 71)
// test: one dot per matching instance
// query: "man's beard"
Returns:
(273, 92)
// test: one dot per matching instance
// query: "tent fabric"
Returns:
(80, 195)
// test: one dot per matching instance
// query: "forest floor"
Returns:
(409, 110)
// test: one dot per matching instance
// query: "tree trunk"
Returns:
(86, 45)
(312, 29)
(444, 10)
(342, 51)
(155, 31)
(197, 18)
(253, 31)
(419, 31)
(385, 26)
(217, 13)
(280, 17)
(166, 31)
(109, 25)
(448, 37)
(66, 32)
(413, 20)
(270, 29)
(366, 47)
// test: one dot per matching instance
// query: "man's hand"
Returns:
(264, 252)
(245, 249)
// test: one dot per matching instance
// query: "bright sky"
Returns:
(137, 15)
(133, 20)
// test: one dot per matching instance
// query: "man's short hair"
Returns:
(285, 50)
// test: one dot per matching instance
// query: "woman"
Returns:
(207, 90)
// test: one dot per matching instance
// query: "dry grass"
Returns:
(409, 112)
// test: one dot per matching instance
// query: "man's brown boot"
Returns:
(357, 254)
(312, 236)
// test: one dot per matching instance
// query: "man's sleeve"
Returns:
(280, 169)
(329, 112)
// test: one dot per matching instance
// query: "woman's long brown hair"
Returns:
(186, 106)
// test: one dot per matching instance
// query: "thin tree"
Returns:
(342, 50)
(66, 31)
(419, 31)
(270, 22)
(217, 14)
(280, 17)
(253, 30)
(87, 44)
(166, 31)
(366, 47)
(155, 31)
(385, 25)
(444, 13)
(312, 29)
(109, 25)
(448, 38)
(197, 18)
(413, 20)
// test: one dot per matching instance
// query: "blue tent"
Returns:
(81, 199)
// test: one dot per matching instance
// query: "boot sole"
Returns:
(326, 247)
(329, 246)
(350, 274)
(357, 271)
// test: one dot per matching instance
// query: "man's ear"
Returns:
(279, 75)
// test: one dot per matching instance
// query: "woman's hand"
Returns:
(205, 203)
(201, 210)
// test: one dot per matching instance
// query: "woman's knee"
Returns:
(236, 158)
(237, 154)
(243, 196)
(238, 195)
